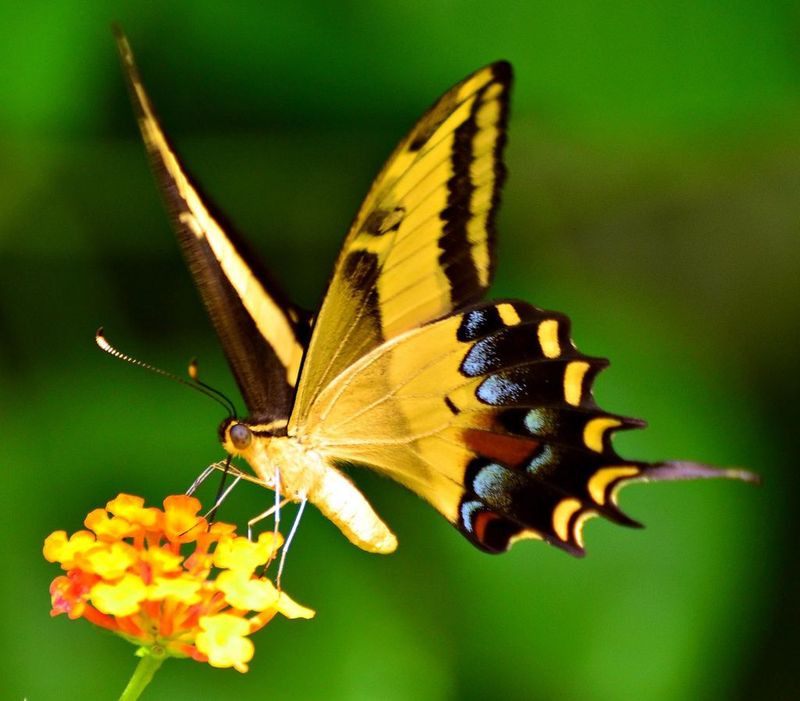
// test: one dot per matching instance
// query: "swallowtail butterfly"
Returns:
(483, 408)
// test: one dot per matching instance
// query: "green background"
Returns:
(654, 163)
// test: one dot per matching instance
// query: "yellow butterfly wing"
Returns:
(488, 415)
(421, 244)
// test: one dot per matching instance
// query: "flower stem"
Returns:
(149, 662)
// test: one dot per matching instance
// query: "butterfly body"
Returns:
(482, 408)
(299, 471)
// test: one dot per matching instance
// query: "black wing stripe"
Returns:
(426, 218)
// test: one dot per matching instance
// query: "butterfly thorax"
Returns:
(302, 472)
(280, 462)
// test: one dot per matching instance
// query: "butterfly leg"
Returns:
(276, 485)
(265, 514)
(275, 509)
(277, 520)
(289, 539)
(222, 494)
(221, 497)
(221, 491)
(202, 478)
(256, 519)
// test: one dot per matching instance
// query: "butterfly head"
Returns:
(236, 436)
(239, 437)
(253, 441)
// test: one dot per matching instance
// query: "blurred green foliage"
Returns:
(653, 196)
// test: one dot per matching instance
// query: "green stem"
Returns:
(149, 662)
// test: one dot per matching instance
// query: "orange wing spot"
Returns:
(511, 451)
(482, 520)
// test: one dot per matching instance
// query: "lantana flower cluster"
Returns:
(167, 581)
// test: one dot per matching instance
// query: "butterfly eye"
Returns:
(240, 436)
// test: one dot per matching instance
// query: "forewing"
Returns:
(488, 414)
(422, 243)
(261, 333)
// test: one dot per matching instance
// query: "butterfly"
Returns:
(482, 408)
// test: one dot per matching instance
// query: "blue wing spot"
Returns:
(538, 422)
(489, 483)
(497, 390)
(481, 358)
(478, 323)
(543, 458)
(468, 509)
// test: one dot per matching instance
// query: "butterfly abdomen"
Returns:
(301, 473)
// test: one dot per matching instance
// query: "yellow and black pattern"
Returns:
(483, 409)
(422, 242)
(488, 414)
(262, 334)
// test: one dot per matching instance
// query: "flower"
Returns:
(131, 572)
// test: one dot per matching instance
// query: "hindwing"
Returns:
(488, 414)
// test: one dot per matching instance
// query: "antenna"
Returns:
(196, 384)
(194, 373)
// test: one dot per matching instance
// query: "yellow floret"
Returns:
(119, 599)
